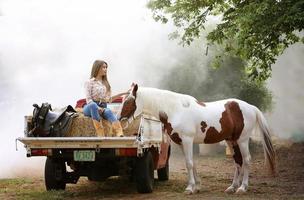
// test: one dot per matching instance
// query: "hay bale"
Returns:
(82, 126)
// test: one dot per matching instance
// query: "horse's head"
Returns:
(130, 105)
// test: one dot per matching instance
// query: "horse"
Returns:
(188, 121)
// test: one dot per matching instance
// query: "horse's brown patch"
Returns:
(232, 124)
(201, 103)
(163, 117)
(175, 138)
(237, 118)
(128, 108)
(204, 126)
(237, 155)
(134, 90)
(129, 104)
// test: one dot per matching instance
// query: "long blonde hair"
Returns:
(95, 68)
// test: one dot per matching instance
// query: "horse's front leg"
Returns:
(187, 147)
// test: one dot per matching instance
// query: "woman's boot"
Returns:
(117, 129)
(98, 128)
(107, 126)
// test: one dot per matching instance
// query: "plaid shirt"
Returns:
(94, 89)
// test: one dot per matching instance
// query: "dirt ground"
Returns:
(215, 171)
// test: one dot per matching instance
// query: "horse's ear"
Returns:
(135, 88)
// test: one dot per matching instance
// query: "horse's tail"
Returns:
(269, 153)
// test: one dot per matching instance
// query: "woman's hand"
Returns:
(129, 91)
(121, 94)
(108, 99)
(100, 110)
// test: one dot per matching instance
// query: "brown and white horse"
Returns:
(188, 121)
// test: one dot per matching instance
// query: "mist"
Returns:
(48, 48)
(286, 83)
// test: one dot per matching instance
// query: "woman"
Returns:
(98, 94)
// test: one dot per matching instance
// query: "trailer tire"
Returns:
(54, 174)
(144, 175)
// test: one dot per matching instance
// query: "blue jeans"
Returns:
(91, 110)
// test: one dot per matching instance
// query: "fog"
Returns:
(47, 49)
(287, 116)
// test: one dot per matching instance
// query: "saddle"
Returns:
(47, 122)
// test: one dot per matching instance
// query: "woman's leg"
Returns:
(91, 110)
(116, 127)
(109, 115)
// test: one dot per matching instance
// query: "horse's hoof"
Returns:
(230, 190)
(196, 190)
(240, 191)
(188, 192)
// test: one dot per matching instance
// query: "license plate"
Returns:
(84, 155)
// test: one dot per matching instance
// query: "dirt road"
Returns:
(216, 173)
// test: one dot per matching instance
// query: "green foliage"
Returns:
(257, 31)
(211, 84)
(256, 94)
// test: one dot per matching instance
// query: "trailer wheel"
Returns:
(54, 174)
(144, 173)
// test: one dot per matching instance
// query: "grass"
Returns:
(113, 188)
(27, 188)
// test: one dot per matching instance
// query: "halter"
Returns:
(131, 118)
(129, 121)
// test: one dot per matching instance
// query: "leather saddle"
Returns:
(51, 123)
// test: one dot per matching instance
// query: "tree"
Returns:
(211, 84)
(257, 31)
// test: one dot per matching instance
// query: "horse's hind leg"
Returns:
(244, 148)
(238, 167)
(187, 146)
(196, 178)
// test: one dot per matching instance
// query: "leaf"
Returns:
(256, 31)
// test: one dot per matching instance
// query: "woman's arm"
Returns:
(119, 95)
